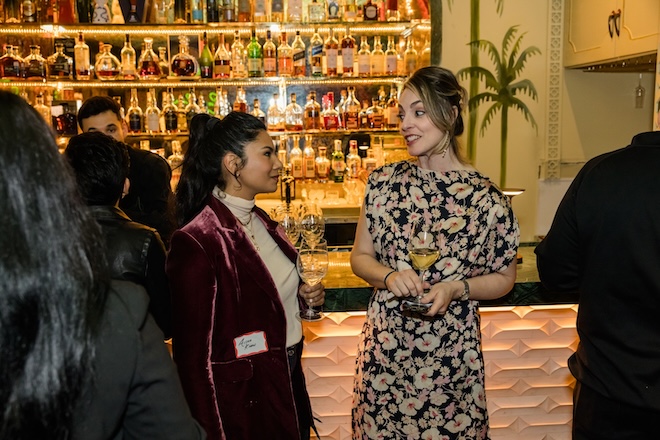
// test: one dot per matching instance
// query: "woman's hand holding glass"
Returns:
(312, 264)
(424, 252)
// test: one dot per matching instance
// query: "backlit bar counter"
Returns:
(527, 337)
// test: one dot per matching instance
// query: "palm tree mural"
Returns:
(502, 86)
(473, 88)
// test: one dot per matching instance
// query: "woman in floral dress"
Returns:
(421, 375)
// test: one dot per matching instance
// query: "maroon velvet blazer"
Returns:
(221, 289)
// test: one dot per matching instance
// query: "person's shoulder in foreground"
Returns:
(135, 393)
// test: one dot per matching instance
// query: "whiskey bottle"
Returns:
(299, 58)
(60, 65)
(244, 9)
(352, 111)
(293, 115)
(285, 57)
(309, 160)
(316, 54)
(364, 58)
(322, 165)
(392, 119)
(81, 59)
(35, 65)
(181, 116)
(257, 112)
(410, 58)
(296, 159)
(269, 56)
(348, 53)
(43, 109)
(377, 58)
(128, 60)
(134, 115)
(329, 115)
(149, 63)
(10, 67)
(312, 118)
(170, 113)
(375, 116)
(184, 64)
(222, 60)
(391, 57)
(240, 103)
(275, 117)
(152, 114)
(331, 52)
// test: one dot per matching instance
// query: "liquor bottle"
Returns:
(257, 112)
(352, 111)
(295, 159)
(334, 10)
(299, 58)
(312, 113)
(281, 150)
(285, 57)
(240, 103)
(322, 165)
(244, 11)
(316, 11)
(370, 11)
(316, 54)
(369, 163)
(192, 108)
(350, 10)
(228, 11)
(331, 52)
(163, 62)
(255, 59)
(222, 60)
(149, 63)
(309, 160)
(343, 94)
(425, 56)
(180, 7)
(293, 115)
(410, 58)
(197, 11)
(175, 160)
(277, 11)
(206, 59)
(260, 11)
(364, 58)
(375, 115)
(363, 117)
(181, 116)
(128, 60)
(67, 121)
(391, 57)
(184, 64)
(66, 12)
(392, 13)
(213, 11)
(238, 63)
(348, 53)
(382, 97)
(35, 66)
(329, 115)
(133, 17)
(377, 58)
(337, 162)
(294, 10)
(12, 11)
(15, 51)
(43, 109)
(201, 102)
(29, 11)
(134, 115)
(353, 160)
(275, 115)
(81, 59)
(269, 51)
(221, 107)
(170, 113)
(60, 65)
(152, 114)
(392, 119)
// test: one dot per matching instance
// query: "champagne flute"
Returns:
(288, 218)
(423, 251)
(312, 264)
(312, 224)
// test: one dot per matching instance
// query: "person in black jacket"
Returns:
(150, 200)
(81, 357)
(134, 251)
(605, 244)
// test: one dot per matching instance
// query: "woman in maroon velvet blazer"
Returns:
(235, 290)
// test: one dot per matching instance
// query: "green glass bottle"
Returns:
(255, 57)
(206, 60)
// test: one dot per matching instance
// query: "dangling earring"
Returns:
(444, 147)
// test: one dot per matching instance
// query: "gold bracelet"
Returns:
(466, 291)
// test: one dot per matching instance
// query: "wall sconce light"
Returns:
(639, 94)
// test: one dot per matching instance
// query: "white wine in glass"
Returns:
(423, 252)
(312, 265)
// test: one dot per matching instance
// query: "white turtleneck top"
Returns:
(281, 269)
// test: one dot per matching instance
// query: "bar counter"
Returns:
(527, 337)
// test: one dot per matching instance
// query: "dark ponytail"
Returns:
(210, 140)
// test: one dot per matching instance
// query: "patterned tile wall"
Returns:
(528, 385)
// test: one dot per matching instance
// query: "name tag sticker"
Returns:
(250, 343)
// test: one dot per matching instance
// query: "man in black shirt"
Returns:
(149, 200)
(605, 243)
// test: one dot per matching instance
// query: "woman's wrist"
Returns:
(385, 278)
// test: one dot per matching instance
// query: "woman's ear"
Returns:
(455, 111)
(230, 162)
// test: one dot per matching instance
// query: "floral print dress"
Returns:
(420, 377)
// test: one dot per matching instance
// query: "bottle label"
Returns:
(153, 123)
(390, 64)
(299, 57)
(309, 170)
(171, 121)
(348, 56)
(364, 64)
(331, 58)
(322, 170)
(297, 168)
(135, 122)
(270, 65)
(371, 12)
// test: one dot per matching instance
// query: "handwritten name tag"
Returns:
(250, 343)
